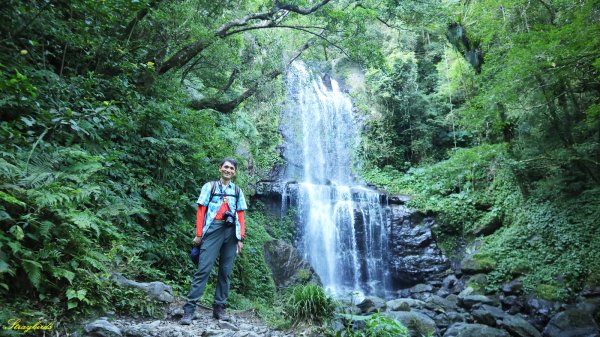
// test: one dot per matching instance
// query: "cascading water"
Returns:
(343, 232)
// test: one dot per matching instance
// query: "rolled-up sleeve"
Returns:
(204, 197)
(242, 206)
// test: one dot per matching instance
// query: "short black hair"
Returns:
(231, 160)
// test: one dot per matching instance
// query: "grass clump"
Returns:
(309, 303)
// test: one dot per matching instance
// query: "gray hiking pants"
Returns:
(219, 241)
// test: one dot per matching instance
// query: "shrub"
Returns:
(376, 325)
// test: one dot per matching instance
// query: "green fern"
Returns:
(34, 272)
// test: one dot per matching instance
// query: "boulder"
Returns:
(287, 265)
(488, 315)
(515, 325)
(474, 330)
(472, 263)
(102, 328)
(421, 288)
(443, 320)
(404, 304)
(572, 323)
(514, 287)
(141, 330)
(518, 326)
(400, 199)
(418, 323)
(450, 285)
(512, 304)
(541, 310)
(591, 291)
(468, 301)
(440, 304)
(372, 304)
(155, 290)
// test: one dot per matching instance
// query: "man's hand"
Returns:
(240, 245)
(197, 240)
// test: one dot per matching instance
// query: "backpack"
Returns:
(213, 193)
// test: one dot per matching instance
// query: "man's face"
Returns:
(227, 170)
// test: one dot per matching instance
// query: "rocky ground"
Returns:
(243, 324)
(452, 310)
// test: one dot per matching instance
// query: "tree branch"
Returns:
(229, 106)
(296, 9)
(232, 78)
(138, 17)
(184, 55)
(319, 35)
(269, 19)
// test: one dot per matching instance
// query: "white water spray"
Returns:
(343, 231)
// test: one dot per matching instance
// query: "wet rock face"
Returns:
(287, 266)
(572, 323)
(414, 254)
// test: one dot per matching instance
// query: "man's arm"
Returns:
(240, 216)
(200, 215)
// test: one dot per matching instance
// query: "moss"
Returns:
(449, 244)
(484, 262)
(478, 283)
(549, 292)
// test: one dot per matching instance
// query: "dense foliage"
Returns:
(504, 142)
(102, 157)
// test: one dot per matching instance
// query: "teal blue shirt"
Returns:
(213, 206)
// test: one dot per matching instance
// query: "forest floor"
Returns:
(243, 324)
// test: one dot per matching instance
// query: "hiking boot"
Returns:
(187, 318)
(219, 312)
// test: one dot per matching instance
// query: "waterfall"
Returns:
(343, 225)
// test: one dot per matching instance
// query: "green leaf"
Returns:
(17, 232)
(11, 199)
(34, 271)
(4, 267)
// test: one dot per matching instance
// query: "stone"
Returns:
(591, 291)
(439, 304)
(487, 315)
(572, 323)
(421, 288)
(474, 330)
(469, 301)
(287, 265)
(590, 305)
(399, 199)
(514, 287)
(470, 265)
(418, 323)
(541, 310)
(155, 290)
(487, 225)
(478, 282)
(228, 326)
(404, 304)
(443, 320)
(515, 325)
(372, 304)
(451, 285)
(474, 264)
(512, 304)
(102, 328)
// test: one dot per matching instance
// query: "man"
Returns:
(219, 233)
